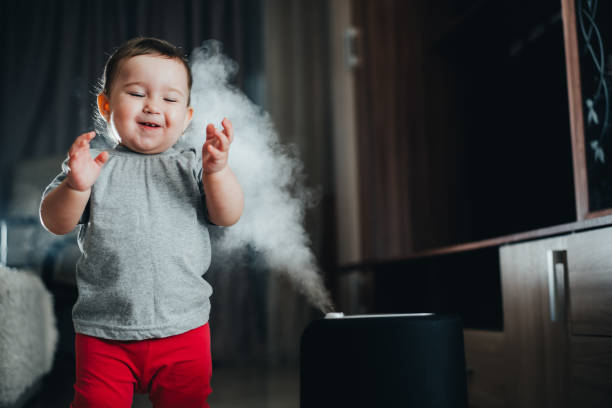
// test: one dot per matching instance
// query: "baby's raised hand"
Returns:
(216, 148)
(83, 169)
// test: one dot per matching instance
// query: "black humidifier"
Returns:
(385, 361)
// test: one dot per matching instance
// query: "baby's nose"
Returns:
(150, 107)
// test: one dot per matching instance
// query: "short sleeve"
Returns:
(197, 172)
(57, 181)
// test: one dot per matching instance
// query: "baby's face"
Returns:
(147, 105)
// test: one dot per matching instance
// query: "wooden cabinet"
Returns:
(591, 371)
(590, 282)
(557, 299)
(590, 299)
(536, 346)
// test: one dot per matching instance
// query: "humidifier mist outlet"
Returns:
(340, 315)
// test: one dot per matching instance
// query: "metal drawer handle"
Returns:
(557, 269)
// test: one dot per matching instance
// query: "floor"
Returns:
(233, 387)
(255, 388)
(251, 387)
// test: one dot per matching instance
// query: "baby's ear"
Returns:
(188, 117)
(103, 106)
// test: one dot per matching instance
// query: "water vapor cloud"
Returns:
(269, 172)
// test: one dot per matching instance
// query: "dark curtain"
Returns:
(392, 143)
(298, 100)
(53, 53)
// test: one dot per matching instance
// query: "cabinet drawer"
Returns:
(590, 281)
(591, 372)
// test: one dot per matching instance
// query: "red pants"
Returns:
(174, 371)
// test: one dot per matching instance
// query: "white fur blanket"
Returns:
(28, 334)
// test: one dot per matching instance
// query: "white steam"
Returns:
(275, 201)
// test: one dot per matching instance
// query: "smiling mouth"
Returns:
(149, 124)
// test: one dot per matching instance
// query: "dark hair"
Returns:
(142, 46)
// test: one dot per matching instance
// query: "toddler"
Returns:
(141, 318)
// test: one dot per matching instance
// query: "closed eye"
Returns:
(136, 94)
(170, 100)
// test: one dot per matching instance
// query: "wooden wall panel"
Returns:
(572, 62)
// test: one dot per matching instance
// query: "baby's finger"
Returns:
(78, 147)
(101, 158)
(211, 142)
(223, 141)
(75, 148)
(84, 144)
(214, 152)
(82, 141)
(86, 137)
(228, 129)
(210, 131)
(74, 160)
(75, 154)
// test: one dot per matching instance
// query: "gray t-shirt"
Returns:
(145, 246)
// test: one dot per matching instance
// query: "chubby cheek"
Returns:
(175, 121)
(120, 122)
(125, 115)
